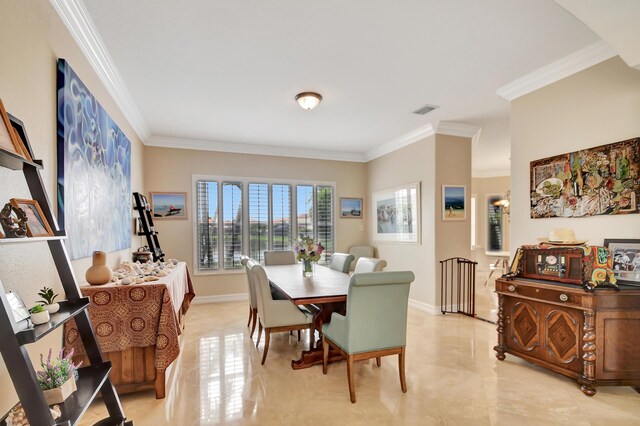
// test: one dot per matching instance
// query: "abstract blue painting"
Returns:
(94, 171)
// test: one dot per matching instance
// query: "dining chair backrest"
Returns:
(261, 282)
(341, 262)
(360, 251)
(377, 310)
(279, 257)
(253, 301)
(369, 264)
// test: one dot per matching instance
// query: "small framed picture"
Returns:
(21, 136)
(454, 202)
(18, 309)
(8, 138)
(351, 208)
(37, 225)
(625, 256)
(169, 205)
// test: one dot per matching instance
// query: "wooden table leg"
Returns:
(159, 385)
(322, 314)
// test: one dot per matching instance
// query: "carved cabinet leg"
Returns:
(500, 348)
(589, 348)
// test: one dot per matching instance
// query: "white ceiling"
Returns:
(228, 71)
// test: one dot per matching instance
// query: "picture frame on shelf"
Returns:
(625, 257)
(8, 138)
(21, 136)
(18, 308)
(454, 203)
(37, 225)
(169, 205)
(396, 214)
(351, 208)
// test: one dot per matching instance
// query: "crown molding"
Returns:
(460, 129)
(242, 148)
(555, 71)
(75, 17)
(400, 142)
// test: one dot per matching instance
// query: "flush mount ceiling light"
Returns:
(308, 100)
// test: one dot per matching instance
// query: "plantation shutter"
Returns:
(304, 210)
(324, 197)
(281, 216)
(258, 220)
(232, 224)
(207, 217)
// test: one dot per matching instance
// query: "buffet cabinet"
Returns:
(591, 336)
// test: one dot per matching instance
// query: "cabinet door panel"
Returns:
(523, 325)
(562, 336)
(617, 353)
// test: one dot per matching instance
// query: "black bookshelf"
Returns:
(142, 206)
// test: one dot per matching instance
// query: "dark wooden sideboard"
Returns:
(590, 336)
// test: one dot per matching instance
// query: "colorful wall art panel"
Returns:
(94, 171)
(604, 180)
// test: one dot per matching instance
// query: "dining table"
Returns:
(323, 293)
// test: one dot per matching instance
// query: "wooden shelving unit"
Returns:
(143, 208)
(15, 335)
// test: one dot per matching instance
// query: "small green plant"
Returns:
(48, 296)
(37, 309)
(55, 372)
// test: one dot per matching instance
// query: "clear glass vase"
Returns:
(307, 268)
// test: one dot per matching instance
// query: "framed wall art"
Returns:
(625, 256)
(454, 206)
(169, 205)
(351, 208)
(37, 225)
(604, 180)
(396, 215)
(94, 171)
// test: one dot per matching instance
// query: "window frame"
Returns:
(487, 204)
(245, 181)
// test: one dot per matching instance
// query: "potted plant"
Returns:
(48, 300)
(39, 315)
(57, 378)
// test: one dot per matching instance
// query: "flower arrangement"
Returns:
(307, 249)
(55, 373)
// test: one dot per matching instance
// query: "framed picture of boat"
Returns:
(168, 205)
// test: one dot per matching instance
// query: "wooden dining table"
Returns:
(323, 294)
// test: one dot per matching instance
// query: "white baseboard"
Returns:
(237, 297)
(424, 307)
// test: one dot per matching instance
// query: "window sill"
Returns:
(218, 272)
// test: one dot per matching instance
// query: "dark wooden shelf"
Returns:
(114, 422)
(90, 380)
(30, 334)
(15, 162)
(59, 235)
(148, 233)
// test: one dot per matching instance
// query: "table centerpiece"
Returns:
(307, 251)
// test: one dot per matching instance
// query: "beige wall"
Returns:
(33, 37)
(434, 161)
(483, 187)
(169, 169)
(597, 106)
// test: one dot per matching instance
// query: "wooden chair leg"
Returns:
(403, 379)
(255, 319)
(325, 355)
(267, 335)
(352, 387)
(250, 315)
(298, 335)
(378, 361)
(259, 333)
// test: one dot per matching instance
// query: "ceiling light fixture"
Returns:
(308, 100)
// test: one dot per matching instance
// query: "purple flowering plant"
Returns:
(307, 250)
(56, 372)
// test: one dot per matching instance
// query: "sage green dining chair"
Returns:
(360, 251)
(375, 324)
(279, 257)
(369, 264)
(341, 262)
(275, 316)
(253, 302)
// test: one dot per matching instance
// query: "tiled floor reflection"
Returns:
(453, 379)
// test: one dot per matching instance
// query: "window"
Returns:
(474, 237)
(494, 223)
(232, 221)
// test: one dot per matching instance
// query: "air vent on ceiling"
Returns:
(425, 109)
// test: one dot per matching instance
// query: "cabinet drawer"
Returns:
(546, 293)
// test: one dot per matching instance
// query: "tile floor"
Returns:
(452, 374)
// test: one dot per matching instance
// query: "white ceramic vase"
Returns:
(40, 317)
(52, 308)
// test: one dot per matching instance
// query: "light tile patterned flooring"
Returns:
(452, 373)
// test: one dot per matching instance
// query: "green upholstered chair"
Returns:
(375, 324)
(369, 264)
(274, 315)
(360, 251)
(279, 257)
(341, 262)
(253, 302)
